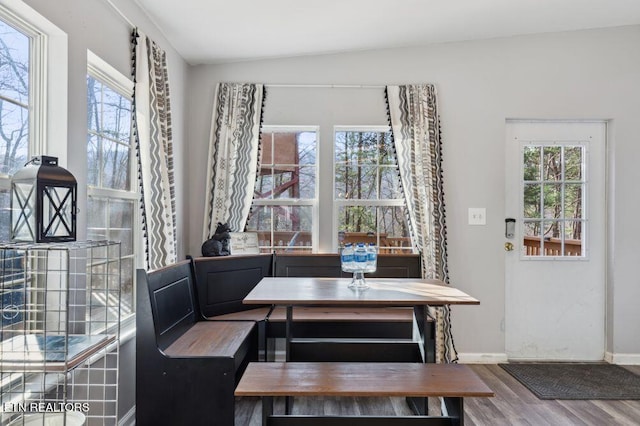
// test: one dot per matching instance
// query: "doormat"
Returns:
(576, 381)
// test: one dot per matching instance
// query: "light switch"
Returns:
(477, 216)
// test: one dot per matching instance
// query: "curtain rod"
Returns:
(327, 86)
(119, 12)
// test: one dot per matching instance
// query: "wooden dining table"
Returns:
(420, 294)
(383, 292)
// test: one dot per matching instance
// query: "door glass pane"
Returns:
(532, 163)
(532, 238)
(573, 158)
(552, 163)
(532, 201)
(558, 200)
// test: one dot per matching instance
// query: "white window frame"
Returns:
(313, 203)
(47, 81)
(337, 203)
(102, 71)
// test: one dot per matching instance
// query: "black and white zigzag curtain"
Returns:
(152, 121)
(233, 155)
(415, 125)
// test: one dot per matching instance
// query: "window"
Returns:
(14, 113)
(285, 202)
(33, 95)
(553, 201)
(369, 206)
(112, 190)
(363, 193)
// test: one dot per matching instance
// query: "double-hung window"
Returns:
(285, 202)
(15, 120)
(112, 189)
(363, 197)
(368, 202)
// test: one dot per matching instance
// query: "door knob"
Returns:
(508, 246)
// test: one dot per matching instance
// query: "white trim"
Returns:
(103, 71)
(622, 359)
(482, 358)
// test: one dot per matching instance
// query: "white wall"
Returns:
(587, 74)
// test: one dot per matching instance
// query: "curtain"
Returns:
(153, 140)
(415, 126)
(233, 155)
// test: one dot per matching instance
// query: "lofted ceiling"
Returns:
(217, 31)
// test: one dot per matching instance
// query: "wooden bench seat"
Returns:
(186, 367)
(258, 314)
(452, 382)
(346, 314)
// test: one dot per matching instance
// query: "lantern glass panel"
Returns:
(57, 211)
(24, 211)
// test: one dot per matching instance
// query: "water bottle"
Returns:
(346, 257)
(372, 257)
(360, 257)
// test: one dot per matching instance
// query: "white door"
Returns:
(555, 266)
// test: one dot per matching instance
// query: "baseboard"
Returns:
(128, 419)
(622, 359)
(482, 358)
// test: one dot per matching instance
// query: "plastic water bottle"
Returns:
(346, 257)
(372, 257)
(361, 257)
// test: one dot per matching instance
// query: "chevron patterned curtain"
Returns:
(233, 155)
(415, 126)
(152, 130)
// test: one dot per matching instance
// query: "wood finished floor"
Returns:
(513, 405)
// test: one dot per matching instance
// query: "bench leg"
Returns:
(288, 402)
(453, 407)
(267, 409)
(419, 406)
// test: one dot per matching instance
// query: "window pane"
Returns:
(552, 201)
(573, 201)
(532, 163)
(94, 105)
(387, 154)
(573, 163)
(5, 215)
(282, 228)
(14, 64)
(552, 164)
(93, 160)
(356, 182)
(287, 167)
(14, 137)
(115, 165)
(116, 116)
(308, 182)
(357, 219)
(264, 185)
(390, 183)
(532, 200)
(532, 240)
(97, 219)
(573, 238)
(121, 224)
(394, 230)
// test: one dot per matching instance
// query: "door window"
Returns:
(553, 202)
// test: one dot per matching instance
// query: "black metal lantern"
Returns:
(43, 202)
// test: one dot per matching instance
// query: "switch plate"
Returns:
(477, 216)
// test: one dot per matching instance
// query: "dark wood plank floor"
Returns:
(512, 405)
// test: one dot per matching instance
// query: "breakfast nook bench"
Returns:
(452, 382)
